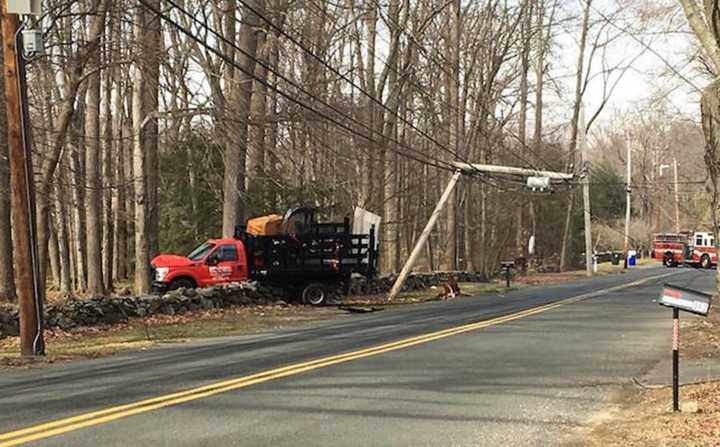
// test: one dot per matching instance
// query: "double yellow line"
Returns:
(65, 425)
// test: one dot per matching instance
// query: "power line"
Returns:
(440, 164)
(442, 66)
(348, 80)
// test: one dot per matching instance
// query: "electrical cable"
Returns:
(351, 82)
(441, 164)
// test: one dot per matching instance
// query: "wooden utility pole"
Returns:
(23, 195)
(627, 201)
(677, 198)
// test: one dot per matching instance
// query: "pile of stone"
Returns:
(8, 320)
(75, 313)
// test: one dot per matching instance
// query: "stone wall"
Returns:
(104, 311)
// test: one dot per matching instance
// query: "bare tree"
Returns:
(93, 152)
(705, 24)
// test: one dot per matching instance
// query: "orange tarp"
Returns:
(265, 225)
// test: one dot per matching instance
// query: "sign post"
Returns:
(507, 266)
(676, 359)
(688, 300)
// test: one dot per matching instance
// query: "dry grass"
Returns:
(137, 334)
(644, 417)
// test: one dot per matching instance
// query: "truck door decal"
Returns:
(220, 272)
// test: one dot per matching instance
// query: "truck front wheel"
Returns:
(185, 283)
(315, 294)
(705, 262)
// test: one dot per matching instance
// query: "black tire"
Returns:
(315, 294)
(705, 262)
(668, 260)
(186, 283)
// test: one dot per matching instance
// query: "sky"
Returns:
(660, 51)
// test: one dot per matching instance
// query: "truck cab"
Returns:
(701, 251)
(215, 261)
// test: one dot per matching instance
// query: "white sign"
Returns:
(24, 7)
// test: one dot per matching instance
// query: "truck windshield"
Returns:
(201, 251)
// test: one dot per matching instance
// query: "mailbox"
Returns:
(685, 299)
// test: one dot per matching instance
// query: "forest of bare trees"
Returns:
(159, 123)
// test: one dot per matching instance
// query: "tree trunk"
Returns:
(151, 39)
(63, 236)
(140, 169)
(80, 247)
(454, 128)
(256, 132)
(93, 149)
(239, 107)
(572, 149)
(54, 255)
(107, 168)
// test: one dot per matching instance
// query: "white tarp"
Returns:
(24, 7)
(363, 220)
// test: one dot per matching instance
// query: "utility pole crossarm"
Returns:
(474, 168)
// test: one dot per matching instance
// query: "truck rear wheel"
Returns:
(315, 294)
(705, 262)
(669, 260)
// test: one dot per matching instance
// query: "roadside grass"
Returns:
(140, 334)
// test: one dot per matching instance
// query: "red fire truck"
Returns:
(694, 249)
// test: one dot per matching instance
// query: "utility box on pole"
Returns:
(32, 7)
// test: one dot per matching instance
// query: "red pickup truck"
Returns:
(292, 252)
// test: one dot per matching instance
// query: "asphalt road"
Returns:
(530, 379)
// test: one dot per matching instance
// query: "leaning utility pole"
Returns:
(472, 169)
(628, 191)
(22, 198)
(586, 195)
(424, 235)
(677, 198)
